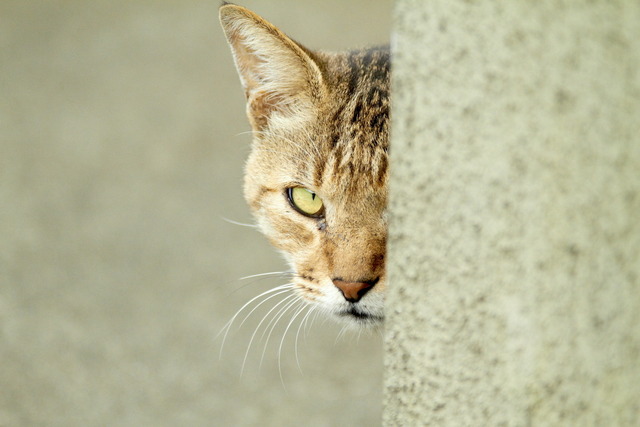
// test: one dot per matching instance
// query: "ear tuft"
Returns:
(278, 75)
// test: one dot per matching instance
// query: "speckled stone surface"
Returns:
(514, 253)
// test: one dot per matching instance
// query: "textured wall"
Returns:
(515, 227)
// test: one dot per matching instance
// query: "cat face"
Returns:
(316, 178)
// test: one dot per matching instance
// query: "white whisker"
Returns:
(313, 319)
(249, 132)
(230, 221)
(273, 273)
(302, 306)
(227, 327)
(340, 335)
(302, 322)
(244, 361)
(262, 302)
(272, 325)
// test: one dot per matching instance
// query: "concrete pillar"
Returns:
(514, 247)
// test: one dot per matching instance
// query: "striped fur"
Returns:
(320, 121)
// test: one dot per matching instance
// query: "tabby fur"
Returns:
(320, 121)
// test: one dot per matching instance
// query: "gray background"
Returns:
(121, 150)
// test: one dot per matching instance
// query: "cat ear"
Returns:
(279, 76)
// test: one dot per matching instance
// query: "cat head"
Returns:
(316, 178)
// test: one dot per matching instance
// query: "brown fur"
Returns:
(320, 121)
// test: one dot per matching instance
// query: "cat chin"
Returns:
(363, 315)
(359, 319)
(353, 316)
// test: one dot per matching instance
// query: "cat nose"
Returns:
(353, 291)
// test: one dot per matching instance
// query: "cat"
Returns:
(316, 177)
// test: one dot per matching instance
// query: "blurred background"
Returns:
(122, 143)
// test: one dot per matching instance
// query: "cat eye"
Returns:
(306, 202)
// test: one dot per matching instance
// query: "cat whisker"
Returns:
(230, 221)
(272, 273)
(246, 354)
(301, 307)
(340, 335)
(249, 132)
(310, 322)
(300, 327)
(260, 277)
(310, 325)
(262, 302)
(277, 288)
(272, 325)
(227, 327)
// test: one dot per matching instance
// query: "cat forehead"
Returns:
(355, 112)
(334, 158)
(342, 145)
(360, 80)
(350, 174)
(360, 69)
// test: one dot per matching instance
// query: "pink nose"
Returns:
(353, 291)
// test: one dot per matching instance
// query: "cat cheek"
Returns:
(291, 237)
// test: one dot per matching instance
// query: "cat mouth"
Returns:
(354, 312)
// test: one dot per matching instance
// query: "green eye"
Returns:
(306, 202)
